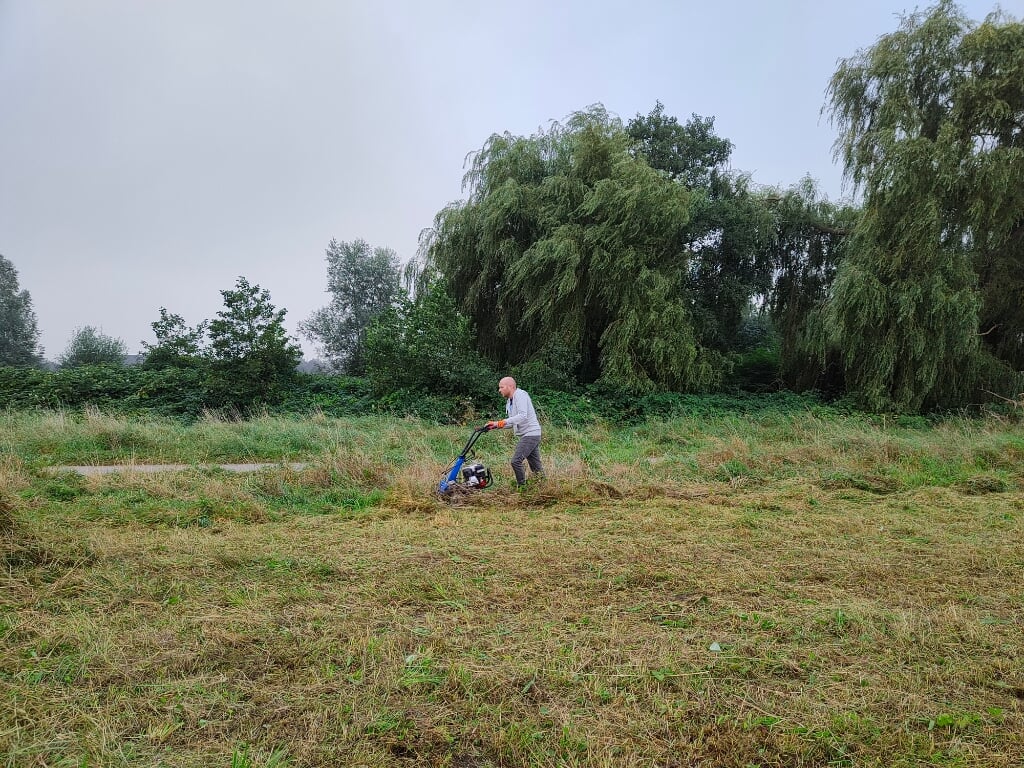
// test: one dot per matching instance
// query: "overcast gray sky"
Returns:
(152, 152)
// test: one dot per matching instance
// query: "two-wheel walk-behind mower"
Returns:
(460, 476)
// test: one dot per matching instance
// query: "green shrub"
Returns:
(427, 347)
(331, 395)
(168, 392)
(757, 370)
(443, 409)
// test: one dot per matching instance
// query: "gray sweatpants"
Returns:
(527, 448)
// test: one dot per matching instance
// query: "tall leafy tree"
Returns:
(809, 236)
(729, 226)
(253, 358)
(363, 282)
(931, 123)
(690, 153)
(19, 334)
(760, 260)
(567, 238)
(89, 346)
(426, 345)
(177, 345)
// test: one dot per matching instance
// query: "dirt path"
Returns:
(152, 468)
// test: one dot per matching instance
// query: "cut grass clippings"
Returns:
(788, 589)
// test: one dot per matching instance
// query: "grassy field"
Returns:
(790, 587)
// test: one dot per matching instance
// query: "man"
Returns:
(523, 420)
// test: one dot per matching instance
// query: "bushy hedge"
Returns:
(184, 393)
(331, 395)
(169, 391)
(603, 402)
(178, 392)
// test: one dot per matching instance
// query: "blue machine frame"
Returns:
(452, 478)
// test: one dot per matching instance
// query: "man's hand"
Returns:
(496, 424)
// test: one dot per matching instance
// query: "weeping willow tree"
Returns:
(808, 239)
(931, 123)
(569, 241)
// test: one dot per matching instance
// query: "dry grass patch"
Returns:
(754, 629)
(622, 612)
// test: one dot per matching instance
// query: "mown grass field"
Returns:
(776, 588)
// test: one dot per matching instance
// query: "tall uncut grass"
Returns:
(781, 587)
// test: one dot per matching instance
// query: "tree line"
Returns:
(628, 256)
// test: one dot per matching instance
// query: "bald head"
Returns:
(506, 387)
